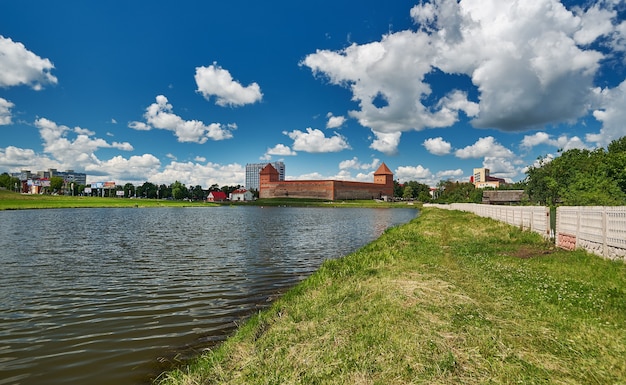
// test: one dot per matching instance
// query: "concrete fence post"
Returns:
(605, 229)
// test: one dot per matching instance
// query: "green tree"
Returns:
(616, 162)
(129, 190)
(458, 192)
(419, 190)
(179, 190)
(197, 193)
(9, 182)
(408, 192)
(56, 184)
(165, 192)
(397, 189)
(580, 177)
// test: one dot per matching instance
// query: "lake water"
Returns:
(111, 296)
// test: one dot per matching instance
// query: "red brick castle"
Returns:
(271, 187)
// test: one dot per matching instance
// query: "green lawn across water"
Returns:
(12, 201)
(449, 298)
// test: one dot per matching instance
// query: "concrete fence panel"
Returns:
(597, 229)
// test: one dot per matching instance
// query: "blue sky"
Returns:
(132, 91)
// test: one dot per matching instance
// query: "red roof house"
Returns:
(216, 196)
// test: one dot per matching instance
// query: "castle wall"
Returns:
(360, 190)
(323, 189)
(317, 189)
(271, 187)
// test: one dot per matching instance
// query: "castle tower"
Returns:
(383, 176)
(268, 174)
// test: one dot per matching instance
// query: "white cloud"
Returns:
(532, 63)
(437, 146)
(139, 126)
(335, 121)
(314, 141)
(5, 112)
(216, 81)
(311, 176)
(135, 169)
(486, 146)
(392, 69)
(563, 142)
(612, 116)
(15, 159)
(205, 175)
(22, 67)
(536, 139)
(450, 174)
(618, 42)
(280, 150)
(83, 131)
(594, 22)
(355, 164)
(159, 115)
(387, 143)
(523, 57)
(74, 153)
(416, 173)
(500, 167)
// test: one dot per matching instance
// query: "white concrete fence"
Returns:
(599, 230)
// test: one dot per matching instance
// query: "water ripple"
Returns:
(105, 296)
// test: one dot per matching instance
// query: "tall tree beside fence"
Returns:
(580, 177)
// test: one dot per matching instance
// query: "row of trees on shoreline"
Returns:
(149, 190)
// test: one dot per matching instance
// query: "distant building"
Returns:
(482, 179)
(68, 175)
(254, 169)
(36, 183)
(504, 197)
(272, 187)
(241, 195)
(216, 196)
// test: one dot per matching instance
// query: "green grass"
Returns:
(12, 201)
(449, 298)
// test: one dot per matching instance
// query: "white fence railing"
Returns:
(597, 229)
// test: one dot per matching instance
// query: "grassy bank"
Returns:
(12, 201)
(448, 298)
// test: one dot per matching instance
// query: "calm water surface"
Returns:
(106, 296)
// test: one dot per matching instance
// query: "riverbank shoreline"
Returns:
(447, 298)
(13, 201)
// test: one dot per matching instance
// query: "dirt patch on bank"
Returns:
(526, 252)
